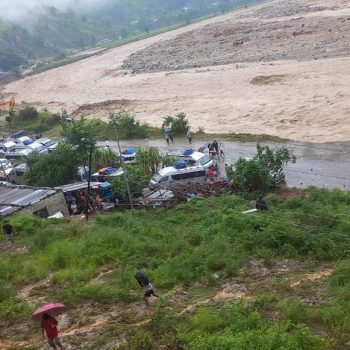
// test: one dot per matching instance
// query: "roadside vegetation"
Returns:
(184, 248)
(54, 124)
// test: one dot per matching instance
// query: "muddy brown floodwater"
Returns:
(280, 68)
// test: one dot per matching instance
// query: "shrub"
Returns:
(179, 124)
(141, 340)
(53, 169)
(28, 114)
(341, 276)
(127, 126)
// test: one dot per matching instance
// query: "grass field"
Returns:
(190, 253)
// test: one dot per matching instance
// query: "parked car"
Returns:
(194, 158)
(7, 146)
(106, 174)
(129, 155)
(171, 175)
(5, 163)
(20, 169)
(18, 134)
(19, 153)
(38, 148)
(24, 140)
(48, 143)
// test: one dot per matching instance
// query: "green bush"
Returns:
(179, 124)
(239, 327)
(341, 276)
(128, 127)
(28, 114)
(53, 169)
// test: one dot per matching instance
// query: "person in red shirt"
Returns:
(49, 325)
(211, 174)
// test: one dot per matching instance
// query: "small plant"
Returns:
(141, 340)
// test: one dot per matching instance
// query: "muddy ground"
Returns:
(105, 326)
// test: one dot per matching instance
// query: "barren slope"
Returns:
(282, 68)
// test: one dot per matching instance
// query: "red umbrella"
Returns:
(53, 309)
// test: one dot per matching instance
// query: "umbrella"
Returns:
(53, 309)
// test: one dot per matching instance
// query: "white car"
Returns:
(8, 146)
(194, 158)
(25, 140)
(38, 148)
(25, 152)
(5, 163)
(171, 175)
(48, 143)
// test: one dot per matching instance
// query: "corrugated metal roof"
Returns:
(7, 210)
(13, 198)
(76, 186)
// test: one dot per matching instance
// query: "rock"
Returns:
(114, 315)
(65, 321)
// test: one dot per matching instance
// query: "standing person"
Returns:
(216, 146)
(212, 150)
(168, 135)
(261, 204)
(145, 283)
(49, 325)
(8, 231)
(222, 153)
(211, 174)
(189, 136)
(74, 208)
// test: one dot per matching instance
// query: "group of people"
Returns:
(216, 149)
(77, 203)
(168, 135)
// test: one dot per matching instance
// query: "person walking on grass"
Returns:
(8, 231)
(144, 282)
(189, 136)
(49, 325)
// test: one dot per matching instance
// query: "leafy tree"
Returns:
(250, 176)
(53, 169)
(148, 162)
(179, 124)
(264, 171)
(79, 134)
(149, 159)
(274, 161)
(104, 157)
(138, 180)
(128, 126)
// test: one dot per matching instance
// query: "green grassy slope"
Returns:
(190, 253)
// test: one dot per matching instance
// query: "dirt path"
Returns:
(261, 93)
